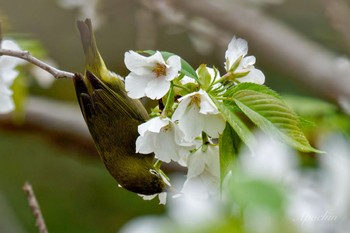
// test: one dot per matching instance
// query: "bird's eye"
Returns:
(154, 172)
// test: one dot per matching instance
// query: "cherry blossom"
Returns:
(239, 65)
(150, 76)
(164, 138)
(196, 113)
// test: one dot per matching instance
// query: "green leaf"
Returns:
(204, 76)
(20, 95)
(186, 68)
(272, 116)
(242, 130)
(228, 146)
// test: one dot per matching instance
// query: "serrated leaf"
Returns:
(273, 117)
(236, 123)
(186, 68)
(228, 147)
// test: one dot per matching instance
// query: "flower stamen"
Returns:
(159, 70)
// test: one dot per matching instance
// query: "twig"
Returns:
(25, 55)
(34, 205)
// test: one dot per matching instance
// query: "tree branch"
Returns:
(25, 55)
(278, 46)
(34, 205)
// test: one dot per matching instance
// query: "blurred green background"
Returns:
(75, 192)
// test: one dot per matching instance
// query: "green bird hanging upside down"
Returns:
(112, 118)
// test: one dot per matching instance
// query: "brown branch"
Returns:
(34, 205)
(173, 16)
(25, 55)
(278, 45)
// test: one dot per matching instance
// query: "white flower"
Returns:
(7, 76)
(164, 138)
(203, 176)
(196, 113)
(241, 66)
(150, 76)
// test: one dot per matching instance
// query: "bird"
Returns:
(113, 118)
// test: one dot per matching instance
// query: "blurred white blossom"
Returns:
(269, 160)
(203, 175)
(44, 78)
(87, 9)
(8, 73)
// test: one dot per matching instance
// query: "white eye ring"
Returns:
(154, 172)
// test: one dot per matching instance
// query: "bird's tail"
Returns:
(93, 60)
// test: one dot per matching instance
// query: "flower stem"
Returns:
(169, 101)
(157, 164)
(182, 87)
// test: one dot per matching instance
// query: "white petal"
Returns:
(191, 122)
(135, 85)
(8, 76)
(165, 149)
(153, 125)
(6, 102)
(174, 63)
(9, 44)
(10, 62)
(213, 125)
(254, 76)
(137, 63)
(146, 144)
(181, 108)
(157, 88)
(248, 61)
(186, 80)
(207, 105)
(179, 136)
(202, 186)
(196, 164)
(237, 48)
(155, 58)
(212, 161)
